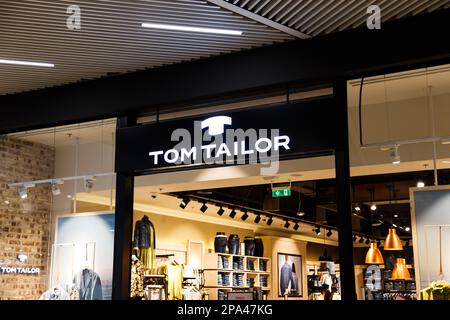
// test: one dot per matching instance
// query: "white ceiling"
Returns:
(112, 41)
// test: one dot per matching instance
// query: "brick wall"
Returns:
(24, 223)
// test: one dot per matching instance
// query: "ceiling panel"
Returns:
(317, 17)
(111, 39)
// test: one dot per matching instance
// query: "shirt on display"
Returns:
(56, 293)
(88, 284)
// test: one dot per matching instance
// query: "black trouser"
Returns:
(220, 244)
(259, 248)
(234, 246)
(249, 247)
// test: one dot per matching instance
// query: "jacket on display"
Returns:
(438, 290)
(88, 284)
(144, 234)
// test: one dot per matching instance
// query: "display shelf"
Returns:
(253, 277)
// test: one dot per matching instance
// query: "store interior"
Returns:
(65, 223)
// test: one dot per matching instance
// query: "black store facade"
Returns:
(311, 127)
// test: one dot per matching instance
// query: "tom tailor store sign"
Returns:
(19, 270)
(258, 136)
(223, 145)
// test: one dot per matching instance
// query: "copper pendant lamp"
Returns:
(400, 271)
(393, 241)
(374, 255)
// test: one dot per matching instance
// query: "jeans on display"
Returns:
(234, 246)
(220, 242)
(238, 263)
(262, 265)
(249, 246)
(259, 248)
(238, 280)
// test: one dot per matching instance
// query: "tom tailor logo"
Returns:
(225, 145)
(19, 270)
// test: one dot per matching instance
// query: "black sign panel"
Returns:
(256, 135)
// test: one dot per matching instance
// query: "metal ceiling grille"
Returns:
(111, 39)
(316, 17)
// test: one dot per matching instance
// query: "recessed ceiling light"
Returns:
(191, 29)
(373, 207)
(27, 63)
(395, 215)
(407, 229)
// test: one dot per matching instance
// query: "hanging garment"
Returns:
(137, 279)
(144, 240)
(174, 276)
(438, 290)
(56, 293)
(88, 284)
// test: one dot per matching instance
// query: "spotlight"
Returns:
(184, 203)
(257, 218)
(269, 221)
(55, 188)
(361, 240)
(220, 211)
(296, 226)
(244, 216)
(354, 237)
(204, 207)
(23, 193)
(420, 184)
(358, 208)
(394, 225)
(373, 207)
(300, 213)
(395, 155)
(89, 184)
(233, 213)
(287, 224)
(329, 233)
(367, 241)
(317, 231)
(407, 229)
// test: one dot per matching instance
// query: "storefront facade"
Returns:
(314, 126)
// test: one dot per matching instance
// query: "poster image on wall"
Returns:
(289, 275)
(84, 242)
(430, 223)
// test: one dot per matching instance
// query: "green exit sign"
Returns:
(276, 193)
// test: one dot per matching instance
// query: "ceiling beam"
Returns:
(256, 17)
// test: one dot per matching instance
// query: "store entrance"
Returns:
(230, 233)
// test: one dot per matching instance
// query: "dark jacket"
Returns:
(144, 234)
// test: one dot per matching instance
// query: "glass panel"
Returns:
(50, 180)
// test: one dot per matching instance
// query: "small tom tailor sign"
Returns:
(20, 270)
